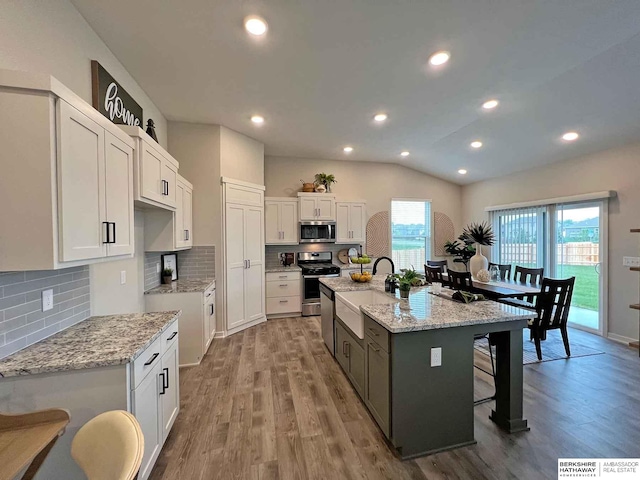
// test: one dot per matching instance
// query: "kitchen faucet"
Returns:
(375, 265)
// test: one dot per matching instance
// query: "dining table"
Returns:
(505, 291)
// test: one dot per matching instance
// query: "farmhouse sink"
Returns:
(348, 307)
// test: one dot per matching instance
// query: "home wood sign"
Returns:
(111, 100)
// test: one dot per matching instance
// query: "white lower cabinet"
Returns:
(147, 412)
(197, 322)
(284, 293)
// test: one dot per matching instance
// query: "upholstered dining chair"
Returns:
(552, 308)
(505, 270)
(109, 446)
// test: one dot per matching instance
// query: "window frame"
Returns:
(428, 255)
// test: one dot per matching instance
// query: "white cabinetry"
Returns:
(284, 294)
(281, 221)
(244, 282)
(170, 231)
(197, 322)
(316, 206)
(155, 172)
(67, 178)
(351, 221)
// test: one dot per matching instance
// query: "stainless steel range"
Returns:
(314, 265)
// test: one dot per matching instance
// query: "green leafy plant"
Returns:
(167, 272)
(325, 179)
(462, 249)
(408, 278)
(480, 233)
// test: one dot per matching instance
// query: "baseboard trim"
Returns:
(621, 339)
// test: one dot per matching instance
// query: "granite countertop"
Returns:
(95, 342)
(425, 311)
(282, 268)
(195, 285)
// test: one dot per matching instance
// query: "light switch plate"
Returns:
(436, 357)
(631, 261)
(47, 300)
(123, 277)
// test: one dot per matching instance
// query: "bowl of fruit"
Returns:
(364, 259)
(363, 277)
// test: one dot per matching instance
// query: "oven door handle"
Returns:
(321, 276)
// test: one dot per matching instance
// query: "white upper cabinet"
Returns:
(67, 178)
(169, 231)
(155, 172)
(351, 222)
(316, 206)
(281, 221)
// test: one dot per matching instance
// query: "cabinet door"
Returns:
(211, 317)
(272, 231)
(377, 383)
(151, 162)
(358, 222)
(254, 292)
(356, 367)
(187, 219)
(342, 347)
(119, 195)
(170, 390)
(170, 176)
(236, 265)
(326, 207)
(147, 412)
(289, 222)
(178, 217)
(81, 196)
(308, 208)
(343, 231)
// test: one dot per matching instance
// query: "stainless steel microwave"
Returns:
(317, 232)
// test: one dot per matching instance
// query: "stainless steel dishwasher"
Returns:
(326, 316)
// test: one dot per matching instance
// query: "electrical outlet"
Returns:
(123, 277)
(157, 268)
(47, 300)
(631, 261)
(436, 357)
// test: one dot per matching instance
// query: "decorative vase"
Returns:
(166, 279)
(478, 261)
(151, 130)
(404, 293)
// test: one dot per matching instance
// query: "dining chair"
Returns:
(528, 275)
(439, 263)
(552, 308)
(505, 270)
(109, 446)
(459, 280)
(434, 274)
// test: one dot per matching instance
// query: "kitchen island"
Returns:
(411, 362)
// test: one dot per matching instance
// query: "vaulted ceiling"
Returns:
(325, 67)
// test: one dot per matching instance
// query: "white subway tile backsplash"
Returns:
(197, 262)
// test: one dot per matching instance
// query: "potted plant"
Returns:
(407, 279)
(462, 250)
(481, 234)
(167, 276)
(326, 180)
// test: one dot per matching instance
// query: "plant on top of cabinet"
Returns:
(325, 179)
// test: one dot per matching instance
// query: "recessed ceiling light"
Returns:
(404, 153)
(476, 144)
(347, 149)
(380, 117)
(439, 58)
(257, 119)
(462, 171)
(570, 136)
(255, 25)
(490, 104)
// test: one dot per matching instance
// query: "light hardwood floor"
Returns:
(271, 402)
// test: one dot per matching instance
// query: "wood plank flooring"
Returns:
(271, 403)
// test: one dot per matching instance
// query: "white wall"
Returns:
(377, 183)
(52, 37)
(616, 169)
(241, 157)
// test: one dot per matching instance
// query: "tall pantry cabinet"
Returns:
(244, 279)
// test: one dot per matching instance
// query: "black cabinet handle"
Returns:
(173, 335)
(211, 309)
(151, 360)
(163, 387)
(165, 187)
(113, 240)
(106, 225)
(166, 376)
(376, 334)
